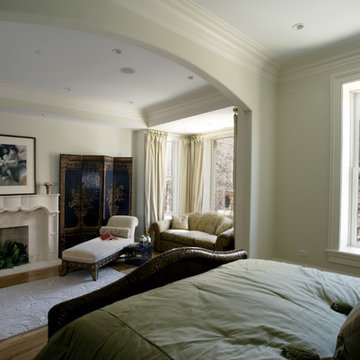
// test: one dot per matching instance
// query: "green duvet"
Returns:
(247, 309)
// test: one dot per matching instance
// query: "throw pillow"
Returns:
(116, 231)
(180, 222)
(225, 224)
(208, 222)
(348, 341)
(193, 221)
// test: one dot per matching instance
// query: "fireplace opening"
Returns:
(14, 246)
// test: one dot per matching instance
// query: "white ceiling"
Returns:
(269, 22)
(52, 59)
(47, 60)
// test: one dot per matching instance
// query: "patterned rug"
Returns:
(24, 307)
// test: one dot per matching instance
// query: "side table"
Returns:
(137, 254)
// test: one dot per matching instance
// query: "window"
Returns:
(169, 193)
(350, 157)
(356, 206)
(218, 174)
(344, 223)
(222, 179)
(171, 173)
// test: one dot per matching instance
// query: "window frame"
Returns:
(342, 170)
(354, 177)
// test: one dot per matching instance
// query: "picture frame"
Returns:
(17, 165)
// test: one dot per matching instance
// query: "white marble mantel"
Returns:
(41, 214)
(14, 203)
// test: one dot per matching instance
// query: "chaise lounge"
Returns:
(95, 253)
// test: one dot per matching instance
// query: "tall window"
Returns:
(169, 193)
(344, 224)
(223, 165)
(351, 159)
(171, 176)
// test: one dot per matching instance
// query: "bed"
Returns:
(231, 308)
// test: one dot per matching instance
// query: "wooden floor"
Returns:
(27, 345)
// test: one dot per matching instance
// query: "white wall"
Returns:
(54, 137)
(303, 175)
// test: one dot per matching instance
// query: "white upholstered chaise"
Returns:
(95, 253)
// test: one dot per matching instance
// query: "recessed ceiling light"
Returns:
(67, 89)
(40, 52)
(127, 70)
(298, 26)
(116, 51)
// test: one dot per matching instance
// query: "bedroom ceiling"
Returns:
(90, 66)
(50, 68)
(270, 22)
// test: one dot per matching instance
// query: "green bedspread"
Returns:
(246, 309)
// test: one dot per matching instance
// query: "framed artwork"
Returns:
(17, 165)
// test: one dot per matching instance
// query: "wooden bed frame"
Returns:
(163, 269)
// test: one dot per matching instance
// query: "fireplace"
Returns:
(34, 220)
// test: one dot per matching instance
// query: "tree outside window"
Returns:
(169, 176)
(223, 155)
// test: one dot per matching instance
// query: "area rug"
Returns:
(24, 307)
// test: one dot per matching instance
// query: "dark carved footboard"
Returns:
(170, 266)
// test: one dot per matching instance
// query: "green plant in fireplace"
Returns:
(12, 254)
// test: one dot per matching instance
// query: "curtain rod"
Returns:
(158, 132)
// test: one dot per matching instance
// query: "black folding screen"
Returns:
(92, 188)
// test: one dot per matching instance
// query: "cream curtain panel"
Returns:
(155, 160)
(192, 182)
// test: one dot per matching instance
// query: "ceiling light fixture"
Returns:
(116, 51)
(127, 70)
(298, 26)
(40, 52)
(67, 89)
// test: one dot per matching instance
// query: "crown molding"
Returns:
(193, 103)
(27, 97)
(186, 18)
(32, 101)
(328, 59)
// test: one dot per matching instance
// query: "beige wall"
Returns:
(54, 137)
(303, 153)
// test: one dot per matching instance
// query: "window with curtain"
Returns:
(218, 174)
(222, 174)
